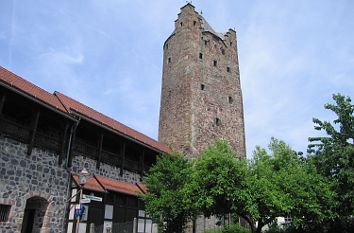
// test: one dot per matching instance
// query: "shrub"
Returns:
(235, 228)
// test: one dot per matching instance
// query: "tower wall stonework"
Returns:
(201, 99)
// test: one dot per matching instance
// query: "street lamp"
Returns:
(83, 177)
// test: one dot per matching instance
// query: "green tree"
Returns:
(216, 176)
(167, 200)
(281, 183)
(333, 154)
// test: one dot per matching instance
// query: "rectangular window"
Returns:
(82, 227)
(70, 227)
(108, 213)
(4, 212)
(231, 100)
(215, 63)
(217, 121)
(228, 69)
(141, 225)
(200, 56)
(202, 87)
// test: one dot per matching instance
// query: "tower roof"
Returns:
(207, 28)
(204, 24)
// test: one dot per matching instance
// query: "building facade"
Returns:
(201, 98)
(45, 141)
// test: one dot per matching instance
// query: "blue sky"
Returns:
(108, 54)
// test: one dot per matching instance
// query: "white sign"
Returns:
(85, 201)
(92, 198)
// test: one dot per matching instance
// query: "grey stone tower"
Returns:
(201, 98)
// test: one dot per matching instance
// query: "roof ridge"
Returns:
(26, 87)
(24, 80)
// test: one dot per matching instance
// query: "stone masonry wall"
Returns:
(201, 98)
(39, 175)
(106, 170)
(23, 177)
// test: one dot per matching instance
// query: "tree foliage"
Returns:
(166, 199)
(214, 179)
(281, 183)
(333, 154)
(270, 185)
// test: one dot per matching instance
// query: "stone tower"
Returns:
(201, 98)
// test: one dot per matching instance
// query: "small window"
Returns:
(205, 42)
(169, 60)
(202, 87)
(181, 23)
(194, 23)
(230, 43)
(108, 213)
(200, 56)
(228, 69)
(222, 51)
(231, 100)
(217, 121)
(215, 63)
(4, 212)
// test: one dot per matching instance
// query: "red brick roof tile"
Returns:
(103, 184)
(29, 88)
(76, 106)
(91, 184)
(119, 186)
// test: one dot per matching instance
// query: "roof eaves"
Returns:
(35, 99)
(107, 127)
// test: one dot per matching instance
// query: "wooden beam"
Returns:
(99, 151)
(73, 140)
(33, 133)
(63, 142)
(122, 153)
(141, 162)
(2, 103)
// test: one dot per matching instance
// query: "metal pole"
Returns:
(78, 218)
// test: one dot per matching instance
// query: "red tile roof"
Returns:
(103, 184)
(66, 104)
(118, 186)
(73, 105)
(29, 88)
(91, 184)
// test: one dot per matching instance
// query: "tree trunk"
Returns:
(259, 227)
(250, 223)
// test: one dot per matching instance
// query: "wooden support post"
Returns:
(63, 142)
(2, 103)
(73, 139)
(122, 153)
(99, 151)
(141, 162)
(33, 133)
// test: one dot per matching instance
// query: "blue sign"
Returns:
(79, 212)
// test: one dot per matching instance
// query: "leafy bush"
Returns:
(235, 228)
